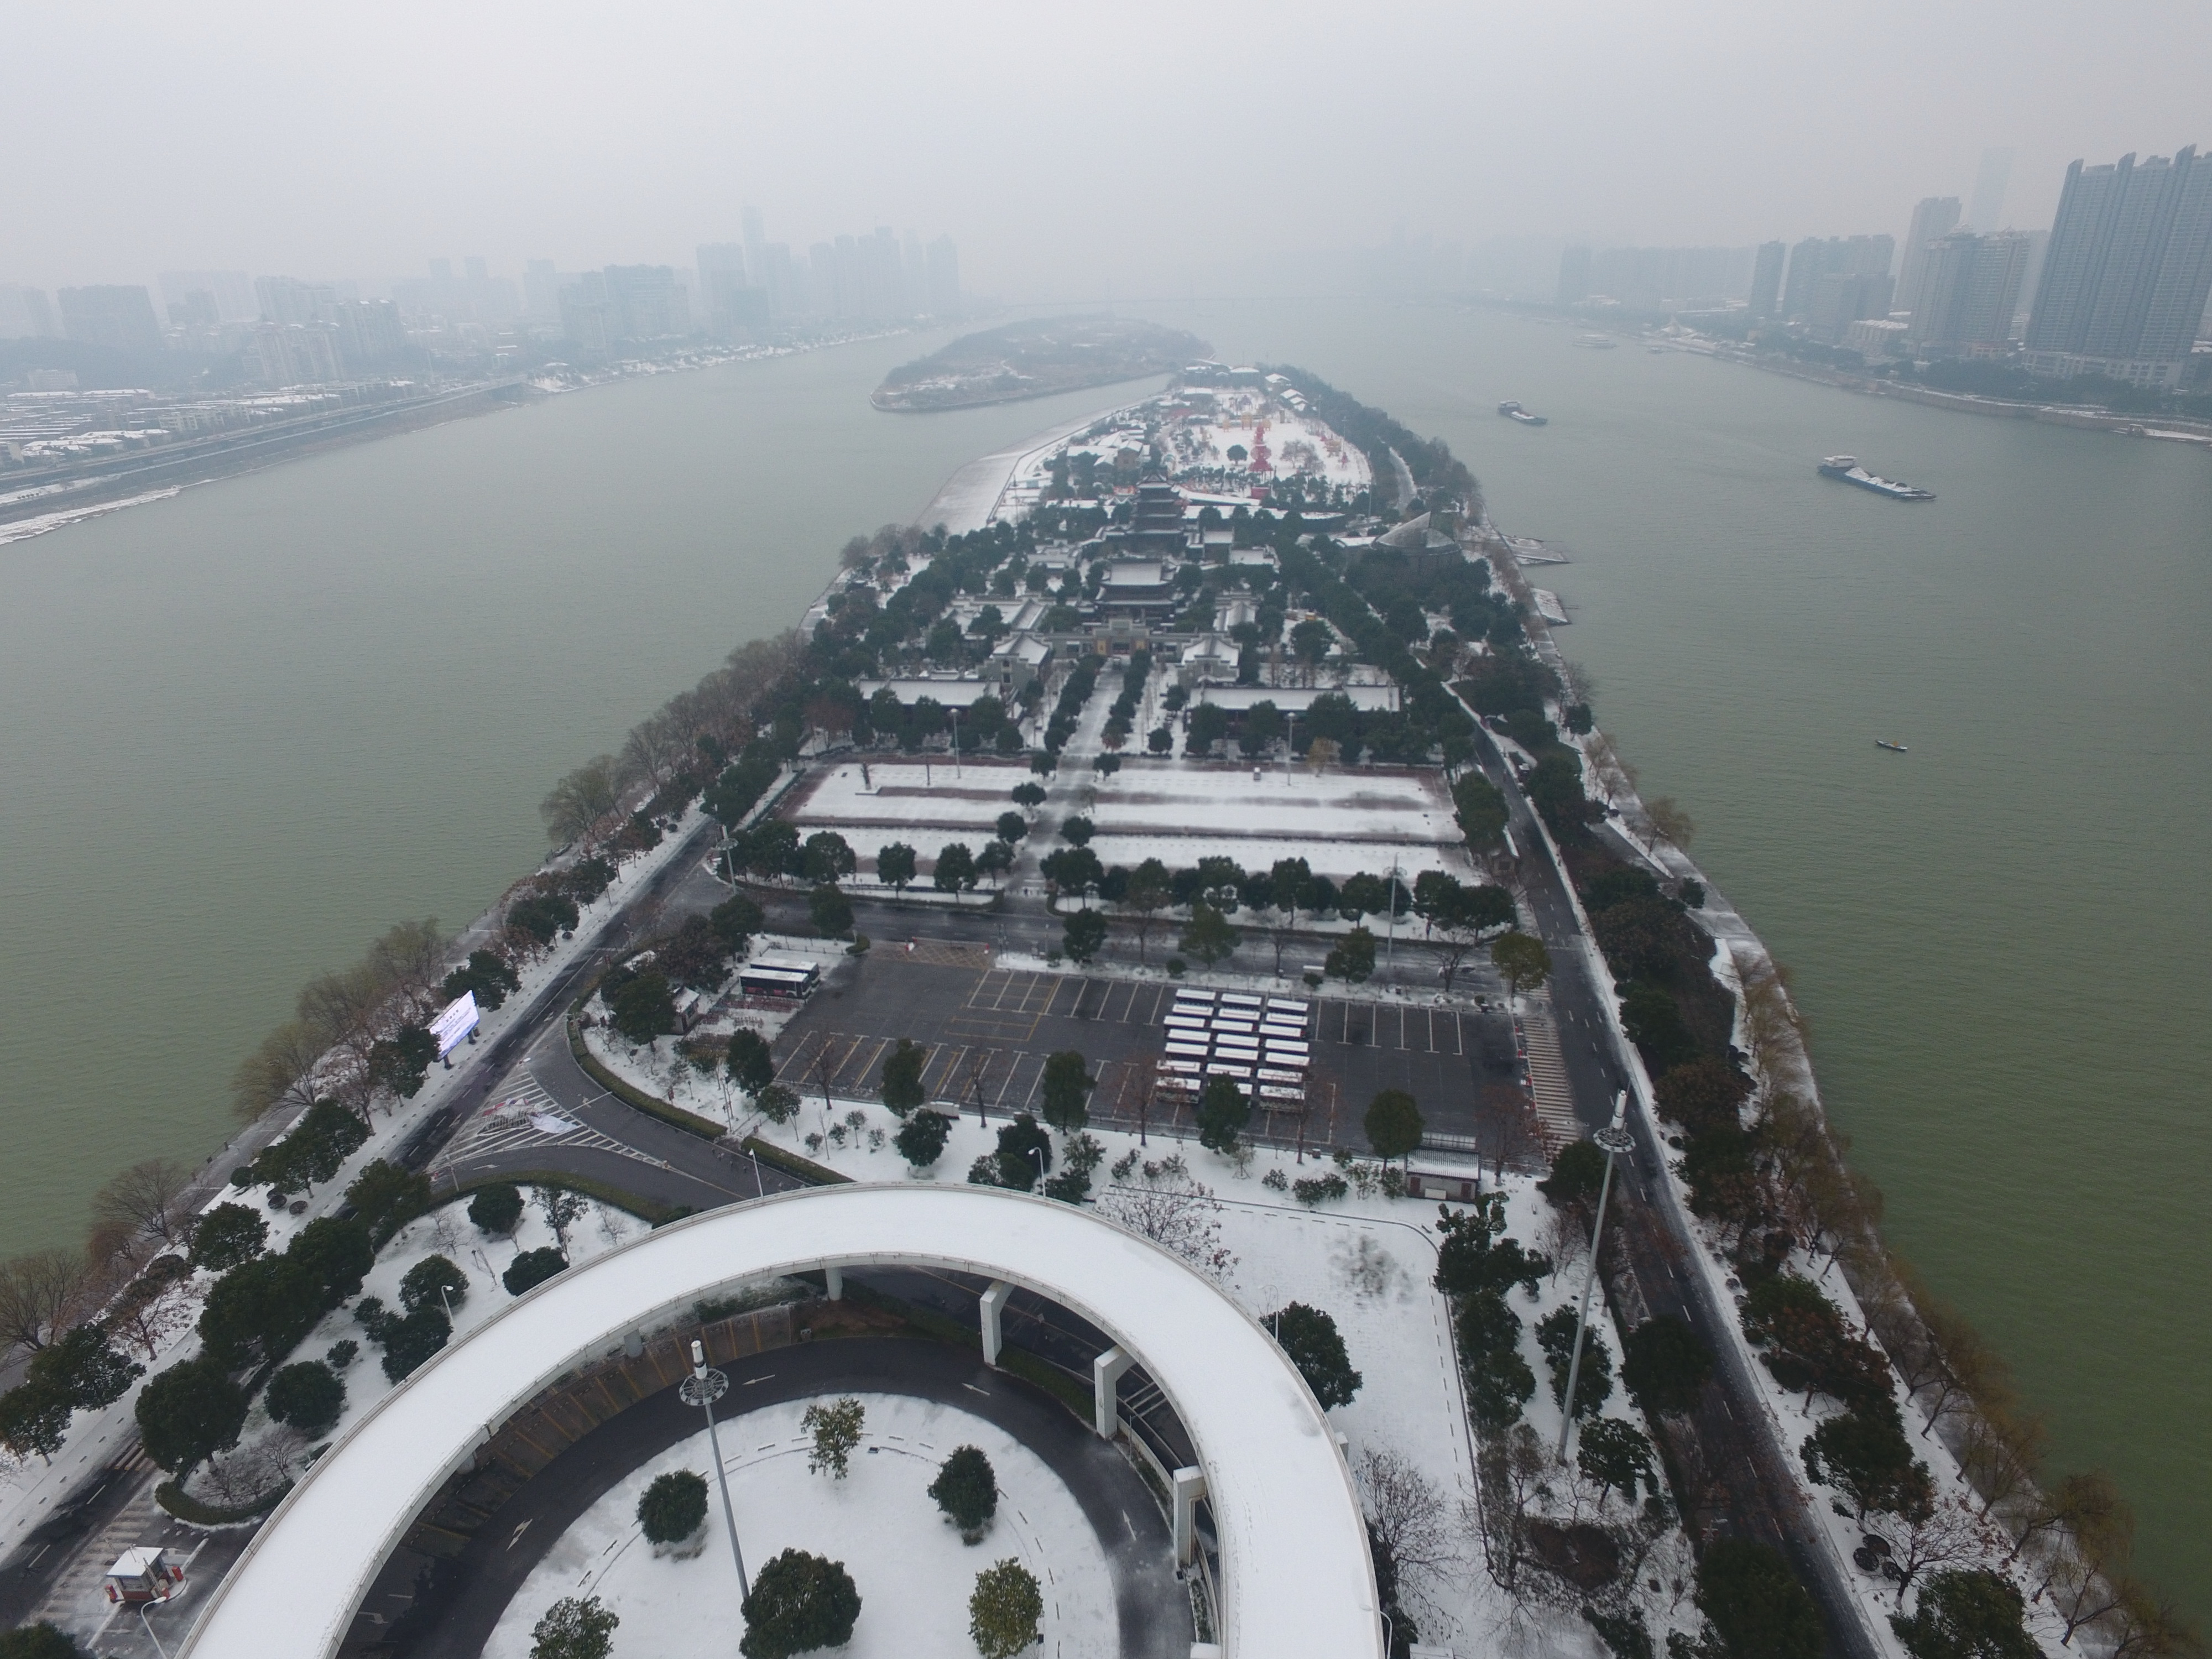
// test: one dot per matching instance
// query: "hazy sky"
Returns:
(1068, 149)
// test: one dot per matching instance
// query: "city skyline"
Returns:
(596, 143)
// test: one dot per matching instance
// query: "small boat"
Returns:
(1513, 411)
(1893, 747)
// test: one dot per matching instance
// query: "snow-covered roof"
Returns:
(138, 1562)
(1296, 1573)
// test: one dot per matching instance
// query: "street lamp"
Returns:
(1037, 1153)
(1615, 1140)
(703, 1389)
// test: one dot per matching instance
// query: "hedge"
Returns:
(815, 1175)
(605, 1191)
(690, 1122)
(186, 1508)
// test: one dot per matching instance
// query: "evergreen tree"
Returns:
(1005, 1610)
(1066, 1088)
(799, 1602)
(1310, 1339)
(673, 1507)
(967, 1490)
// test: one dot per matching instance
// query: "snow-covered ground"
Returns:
(1341, 823)
(1297, 443)
(1368, 1261)
(914, 1574)
(905, 800)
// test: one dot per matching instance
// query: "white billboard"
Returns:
(452, 1026)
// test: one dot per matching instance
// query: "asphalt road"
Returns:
(1740, 1479)
(453, 1616)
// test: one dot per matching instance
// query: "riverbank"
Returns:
(36, 504)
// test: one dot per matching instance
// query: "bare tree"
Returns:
(1176, 1211)
(2146, 1626)
(1511, 1122)
(282, 1070)
(1407, 1514)
(410, 960)
(1666, 819)
(2082, 1593)
(39, 1291)
(650, 752)
(142, 1198)
(147, 1321)
(1515, 1472)
(1565, 1234)
(1933, 1534)
(581, 802)
(2000, 1457)
(2086, 1507)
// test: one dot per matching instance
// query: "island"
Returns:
(1440, 1234)
(1034, 359)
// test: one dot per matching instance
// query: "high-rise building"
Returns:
(944, 278)
(756, 232)
(644, 302)
(1988, 209)
(1841, 297)
(118, 317)
(1937, 216)
(720, 256)
(587, 318)
(288, 299)
(737, 304)
(1814, 258)
(1970, 290)
(232, 291)
(1766, 280)
(297, 354)
(541, 289)
(24, 313)
(369, 335)
(781, 284)
(2125, 279)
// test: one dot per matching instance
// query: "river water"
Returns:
(248, 727)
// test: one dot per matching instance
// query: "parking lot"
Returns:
(989, 1029)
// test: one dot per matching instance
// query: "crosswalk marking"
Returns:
(504, 1124)
(1547, 1077)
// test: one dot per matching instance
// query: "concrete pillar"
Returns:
(1105, 1380)
(994, 1304)
(836, 1276)
(1189, 1488)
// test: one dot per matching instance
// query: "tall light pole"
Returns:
(1390, 910)
(703, 1389)
(1615, 1140)
(956, 741)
